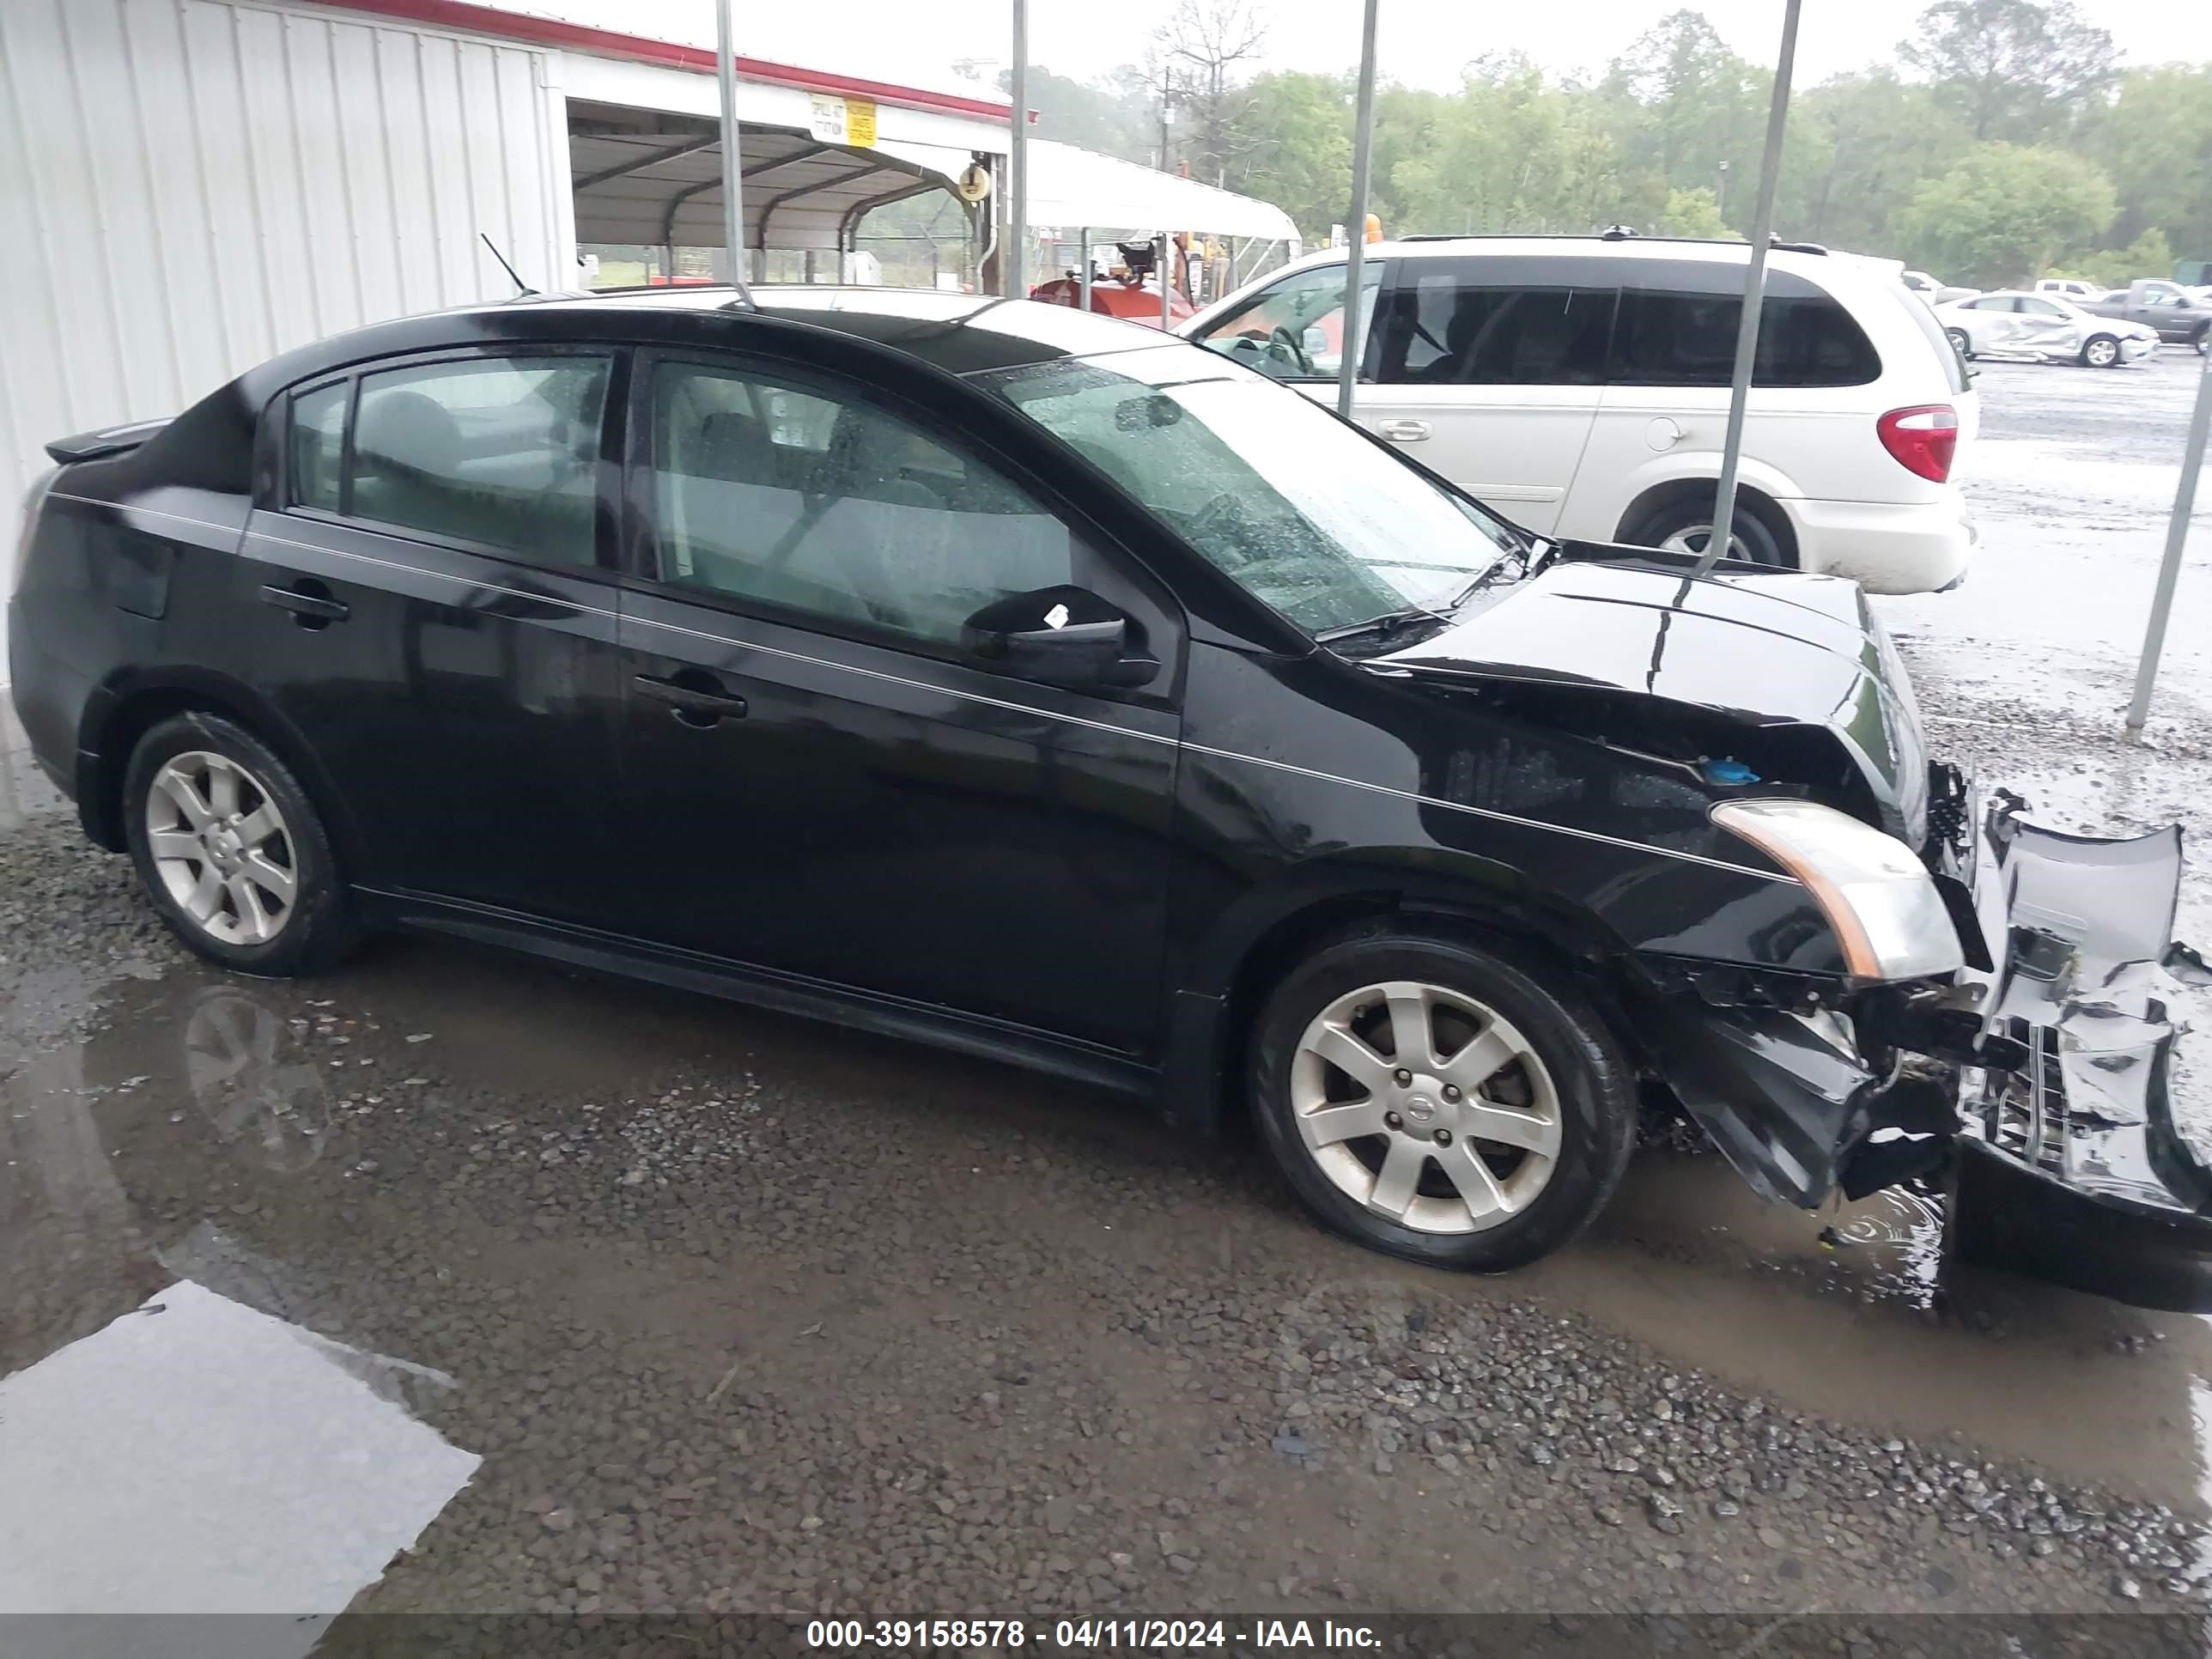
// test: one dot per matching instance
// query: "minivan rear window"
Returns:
(1680, 330)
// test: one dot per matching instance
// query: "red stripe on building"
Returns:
(611, 43)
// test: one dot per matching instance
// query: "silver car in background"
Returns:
(2042, 327)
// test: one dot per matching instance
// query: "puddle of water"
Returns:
(1692, 1263)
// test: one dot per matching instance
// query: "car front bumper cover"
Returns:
(2033, 1090)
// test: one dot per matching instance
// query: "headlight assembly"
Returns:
(1879, 898)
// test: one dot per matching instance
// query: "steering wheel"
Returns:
(1286, 347)
(1278, 347)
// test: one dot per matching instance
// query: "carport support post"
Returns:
(1160, 266)
(1754, 291)
(733, 200)
(1017, 163)
(1363, 158)
(1084, 254)
(2177, 536)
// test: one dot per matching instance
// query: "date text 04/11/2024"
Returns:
(1162, 1634)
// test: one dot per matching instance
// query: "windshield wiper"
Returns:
(1386, 626)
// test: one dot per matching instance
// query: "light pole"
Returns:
(733, 171)
(2177, 536)
(1355, 253)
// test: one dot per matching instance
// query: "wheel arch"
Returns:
(130, 704)
(1675, 490)
(1255, 944)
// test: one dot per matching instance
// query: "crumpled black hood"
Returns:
(1770, 648)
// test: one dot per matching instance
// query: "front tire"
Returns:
(1438, 1101)
(2100, 351)
(231, 851)
(1961, 343)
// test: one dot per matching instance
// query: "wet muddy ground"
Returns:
(458, 1283)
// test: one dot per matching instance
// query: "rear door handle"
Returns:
(694, 695)
(1403, 432)
(309, 602)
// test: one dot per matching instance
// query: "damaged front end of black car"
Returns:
(2029, 1085)
(1973, 1001)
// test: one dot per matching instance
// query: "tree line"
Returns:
(2004, 141)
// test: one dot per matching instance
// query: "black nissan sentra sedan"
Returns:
(1015, 680)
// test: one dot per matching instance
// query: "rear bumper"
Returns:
(2037, 1085)
(1884, 547)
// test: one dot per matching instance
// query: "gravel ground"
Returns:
(746, 1315)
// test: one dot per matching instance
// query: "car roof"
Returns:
(962, 333)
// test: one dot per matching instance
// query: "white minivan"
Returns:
(1580, 385)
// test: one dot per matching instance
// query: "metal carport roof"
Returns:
(656, 181)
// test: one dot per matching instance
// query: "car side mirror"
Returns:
(1062, 635)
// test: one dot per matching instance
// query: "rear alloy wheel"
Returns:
(1686, 526)
(231, 851)
(2100, 351)
(1436, 1101)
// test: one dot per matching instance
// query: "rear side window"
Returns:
(1932, 330)
(319, 445)
(1678, 326)
(499, 451)
(1469, 323)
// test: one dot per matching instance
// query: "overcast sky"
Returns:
(1422, 42)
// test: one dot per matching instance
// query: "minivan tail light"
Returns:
(1922, 439)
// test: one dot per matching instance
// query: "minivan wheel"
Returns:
(232, 854)
(1686, 526)
(1439, 1102)
(2100, 351)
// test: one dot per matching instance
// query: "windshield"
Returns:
(1318, 521)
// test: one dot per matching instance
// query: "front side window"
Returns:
(1679, 327)
(500, 451)
(1305, 513)
(1294, 329)
(794, 497)
(1457, 323)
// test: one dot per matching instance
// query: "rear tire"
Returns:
(231, 851)
(1684, 524)
(1514, 1129)
(2100, 351)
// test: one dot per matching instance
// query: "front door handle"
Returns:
(309, 602)
(694, 695)
(1403, 432)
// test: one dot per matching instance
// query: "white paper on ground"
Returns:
(209, 1459)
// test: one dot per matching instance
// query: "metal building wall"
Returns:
(189, 186)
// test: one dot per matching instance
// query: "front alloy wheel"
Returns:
(1434, 1099)
(1426, 1107)
(2102, 352)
